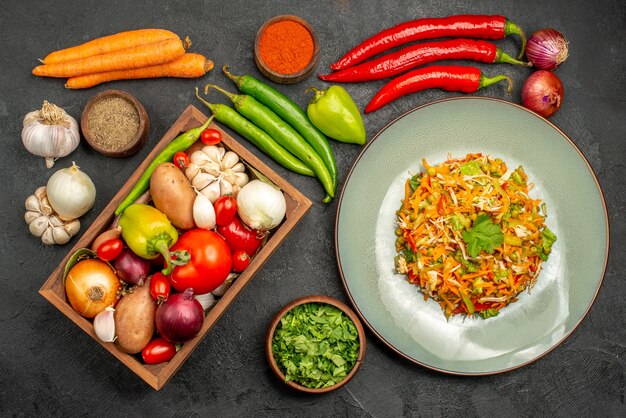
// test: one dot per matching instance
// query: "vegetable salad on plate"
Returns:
(470, 236)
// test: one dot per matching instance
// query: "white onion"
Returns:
(71, 192)
(261, 206)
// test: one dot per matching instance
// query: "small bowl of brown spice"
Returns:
(115, 123)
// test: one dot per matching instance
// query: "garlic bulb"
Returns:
(215, 172)
(44, 223)
(71, 192)
(50, 132)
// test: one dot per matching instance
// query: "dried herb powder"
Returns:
(315, 345)
(113, 122)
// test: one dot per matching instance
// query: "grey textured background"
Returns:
(49, 367)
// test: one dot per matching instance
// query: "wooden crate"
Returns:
(158, 375)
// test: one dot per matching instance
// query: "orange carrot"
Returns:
(107, 44)
(188, 66)
(135, 57)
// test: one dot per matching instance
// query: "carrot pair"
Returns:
(144, 53)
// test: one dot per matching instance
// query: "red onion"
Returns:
(180, 317)
(542, 92)
(131, 268)
(547, 49)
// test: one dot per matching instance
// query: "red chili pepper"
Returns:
(470, 26)
(411, 241)
(419, 54)
(449, 78)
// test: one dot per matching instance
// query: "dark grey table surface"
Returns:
(49, 367)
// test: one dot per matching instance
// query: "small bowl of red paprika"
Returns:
(286, 49)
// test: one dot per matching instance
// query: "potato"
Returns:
(134, 319)
(173, 195)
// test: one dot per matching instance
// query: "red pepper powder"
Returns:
(286, 47)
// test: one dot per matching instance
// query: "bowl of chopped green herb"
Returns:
(315, 344)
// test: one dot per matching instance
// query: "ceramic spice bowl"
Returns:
(321, 300)
(115, 124)
(286, 49)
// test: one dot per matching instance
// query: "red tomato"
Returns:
(240, 237)
(210, 262)
(160, 287)
(241, 260)
(181, 160)
(211, 136)
(110, 250)
(158, 351)
(225, 209)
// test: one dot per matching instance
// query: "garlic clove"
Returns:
(207, 300)
(230, 177)
(192, 170)
(212, 153)
(225, 187)
(202, 180)
(238, 168)
(32, 204)
(38, 226)
(203, 212)
(40, 192)
(46, 207)
(242, 179)
(104, 325)
(221, 151)
(212, 191)
(229, 160)
(212, 168)
(72, 227)
(221, 289)
(55, 221)
(60, 235)
(199, 158)
(47, 237)
(30, 216)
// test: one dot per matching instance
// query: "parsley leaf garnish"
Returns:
(315, 345)
(484, 235)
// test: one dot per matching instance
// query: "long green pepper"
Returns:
(229, 117)
(180, 143)
(290, 113)
(282, 132)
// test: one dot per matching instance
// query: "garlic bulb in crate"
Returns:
(214, 172)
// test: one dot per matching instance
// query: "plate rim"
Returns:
(455, 372)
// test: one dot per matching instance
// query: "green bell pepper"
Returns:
(333, 112)
(148, 232)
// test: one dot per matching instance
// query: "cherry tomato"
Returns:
(241, 260)
(181, 160)
(225, 209)
(211, 136)
(209, 265)
(159, 287)
(158, 351)
(110, 250)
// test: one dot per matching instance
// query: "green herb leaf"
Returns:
(315, 345)
(485, 235)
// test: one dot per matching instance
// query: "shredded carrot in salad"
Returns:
(470, 236)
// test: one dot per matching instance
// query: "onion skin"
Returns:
(546, 49)
(91, 286)
(542, 93)
(180, 317)
(131, 268)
